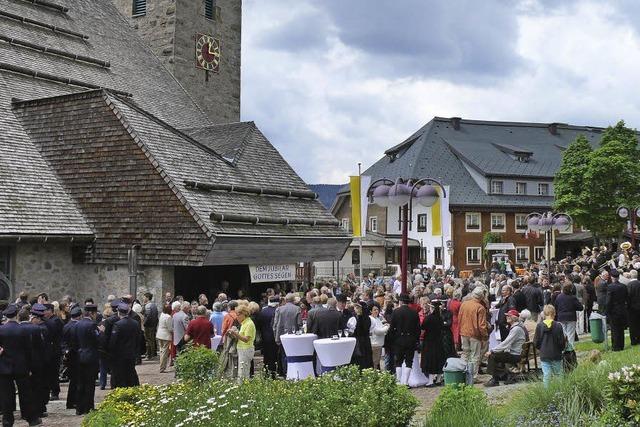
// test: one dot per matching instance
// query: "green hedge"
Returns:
(196, 363)
(345, 397)
(461, 406)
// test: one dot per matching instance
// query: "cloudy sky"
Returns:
(336, 82)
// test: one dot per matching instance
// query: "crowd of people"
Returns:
(437, 318)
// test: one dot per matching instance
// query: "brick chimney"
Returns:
(455, 122)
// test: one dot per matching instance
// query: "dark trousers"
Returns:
(150, 341)
(40, 390)
(634, 326)
(282, 357)
(8, 384)
(618, 325)
(495, 359)
(404, 354)
(123, 373)
(72, 392)
(504, 331)
(270, 353)
(86, 388)
(52, 371)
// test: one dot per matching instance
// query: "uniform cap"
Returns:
(614, 273)
(115, 303)
(76, 312)
(38, 309)
(123, 307)
(11, 310)
(48, 306)
(90, 308)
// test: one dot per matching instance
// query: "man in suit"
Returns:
(123, 348)
(42, 342)
(55, 326)
(633, 290)
(617, 310)
(312, 315)
(36, 365)
(86, 336)
(180, 323)
(15, 353)
(269, 346)
(328, 320)
(405, 333)
(345, 313)
(286, 320)
(70, 354)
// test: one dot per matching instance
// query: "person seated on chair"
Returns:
(508, 351)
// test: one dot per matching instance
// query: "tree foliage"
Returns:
(591, 184)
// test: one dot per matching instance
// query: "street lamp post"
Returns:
(401, 193)
(548, 222)
(624, 213)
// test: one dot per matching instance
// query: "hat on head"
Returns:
(405, 298)
(115, 303)
(513, 313)
(76, 312)
(11, 310)
(614, 273)
(48, 306)
(90, 308)
(37, 310)
(342, 298)
(123, 308)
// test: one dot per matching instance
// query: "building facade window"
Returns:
(472, 222)
(497, 187)
(423, 255)
(521, 188)
(345, 224)
(538, 253)
(139, 7)
(473, 256)
(355, 257)
(522, 254)
(211, 11)
(373, 224)
(422, 223)
(521, 223)
(437, 255)
(498, 222)
(543, 189)
(5, 265)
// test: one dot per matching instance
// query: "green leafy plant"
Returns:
(460, 405)
(623, 392)
(196, 363)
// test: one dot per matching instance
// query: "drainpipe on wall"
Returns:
(133, 270)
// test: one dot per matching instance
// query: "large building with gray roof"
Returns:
(497, 173)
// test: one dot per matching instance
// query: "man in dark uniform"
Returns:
(405, 333)
(36, 363)
(55, 326)
(269, 346)
(105, 337)
(124, 348)
(15, 354)
(87, 363)
(617, 310)
(70, 355)
(633, 289)
(38, 384)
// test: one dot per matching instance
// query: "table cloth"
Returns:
(333, 353)
(299, 354)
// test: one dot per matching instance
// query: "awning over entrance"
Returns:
(500, 247)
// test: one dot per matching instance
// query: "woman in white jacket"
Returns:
(164, 336)
(378, 330)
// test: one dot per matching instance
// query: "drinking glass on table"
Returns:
(339, 333)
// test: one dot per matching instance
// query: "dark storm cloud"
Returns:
(452, 40)
(306, 31)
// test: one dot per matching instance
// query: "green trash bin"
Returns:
(454, 377)
(597, 335)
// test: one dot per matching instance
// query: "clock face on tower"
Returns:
(207, 53)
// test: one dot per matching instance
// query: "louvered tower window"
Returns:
(211, 11)
(139, 7)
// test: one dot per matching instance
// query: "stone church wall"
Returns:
(49, 268)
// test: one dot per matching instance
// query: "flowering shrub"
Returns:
(196, 363)
(623, 392)
(345, 397)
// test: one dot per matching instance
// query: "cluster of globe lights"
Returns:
(548, 221)
(399, 194)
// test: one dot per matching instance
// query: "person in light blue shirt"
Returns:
(216, 317)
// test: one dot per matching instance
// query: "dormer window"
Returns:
(497, 187)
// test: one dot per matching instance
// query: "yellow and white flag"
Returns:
(359, 204)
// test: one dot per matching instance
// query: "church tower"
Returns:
(199, 42)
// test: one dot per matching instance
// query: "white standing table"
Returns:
(334, 353)
(299, 353)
